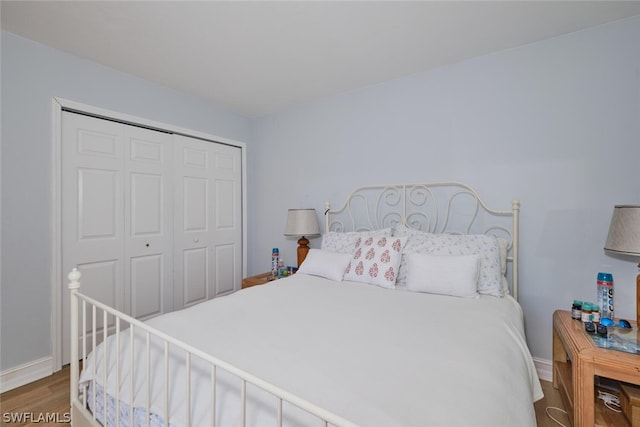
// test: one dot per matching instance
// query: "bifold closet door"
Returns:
(152, 219)
(208, 220)
(117, 216)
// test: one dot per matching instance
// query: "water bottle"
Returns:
(280, 267)
(275, 259)
(605, 294)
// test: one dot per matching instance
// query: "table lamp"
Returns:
(301, 223)
(624, 239)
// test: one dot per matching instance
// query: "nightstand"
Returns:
(259, 279)
(576, 362)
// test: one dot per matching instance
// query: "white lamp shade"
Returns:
(624, 231)
(302, 222)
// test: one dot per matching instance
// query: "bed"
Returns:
(421, 328)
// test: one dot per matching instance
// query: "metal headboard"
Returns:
(435, 207)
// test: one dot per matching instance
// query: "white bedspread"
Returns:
(377, 357)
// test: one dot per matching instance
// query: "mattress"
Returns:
(375, 356)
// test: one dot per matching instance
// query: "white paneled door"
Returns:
(208, 228)
(143, 207)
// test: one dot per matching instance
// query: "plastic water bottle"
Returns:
(605, 294)
(280, 267)
(275, 259)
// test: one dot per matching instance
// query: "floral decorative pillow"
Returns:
(345, 243)
(376, 260)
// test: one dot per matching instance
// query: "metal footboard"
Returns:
(85, 340)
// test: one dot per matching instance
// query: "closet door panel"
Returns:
(147, 275)
(207, 215)
(117, 219)
(148, 222)
(224, 258)
(92, 203)
(227, 236)
(195, 275)
(195, 204)
(146, 205)
(98, 204)
(225, 214)
(192, 221)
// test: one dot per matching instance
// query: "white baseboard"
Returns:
(26, 373)
(544, 368)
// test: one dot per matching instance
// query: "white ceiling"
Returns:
(257, 57)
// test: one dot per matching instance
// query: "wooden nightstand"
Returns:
(259, 279)
(576, 362)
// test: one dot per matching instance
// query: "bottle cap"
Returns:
(605, 277)
(275, 250)
(577, 302)
(595, 307)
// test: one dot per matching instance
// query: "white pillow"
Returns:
(376, 260)
(330, 265)
(345, 243)
(485, 246)
(445, 275)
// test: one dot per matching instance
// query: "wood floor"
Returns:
(38, 402)
(48, 396)
(551, 400)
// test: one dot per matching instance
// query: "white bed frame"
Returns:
(439, 207)
(434, 207)
(95, 310)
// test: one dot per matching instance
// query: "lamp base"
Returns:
(303, 250)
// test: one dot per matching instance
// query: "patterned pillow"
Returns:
(345, 243)
(485, 246)
(376, 260)
(416, 242)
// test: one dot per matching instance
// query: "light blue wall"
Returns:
(555, 124)
(31, 75)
